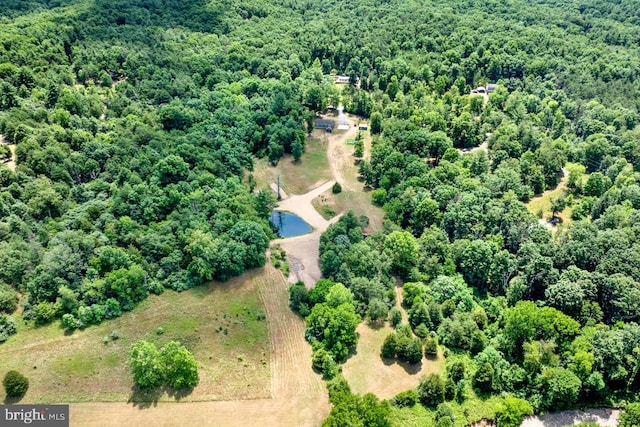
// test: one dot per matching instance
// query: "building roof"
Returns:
(324, 123)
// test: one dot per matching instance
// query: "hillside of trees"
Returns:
(136, 124)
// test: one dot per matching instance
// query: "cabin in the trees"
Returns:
(325, 124)
(341, 79)
(482, 90)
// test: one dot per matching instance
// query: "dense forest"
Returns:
(135, 125)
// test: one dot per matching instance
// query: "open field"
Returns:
(367, 372)
(298, 395)
(357, 201)
(540, 206)
(259, 371)
(221, 323)
(300, 177)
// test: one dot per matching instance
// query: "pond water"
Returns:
(288, 224)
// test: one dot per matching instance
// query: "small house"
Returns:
(341, 79)
(482, 90)
(325, 124)
(363, 127)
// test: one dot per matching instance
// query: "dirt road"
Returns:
(339, 159)
(604, 417)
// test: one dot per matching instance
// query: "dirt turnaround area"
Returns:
(298, 395)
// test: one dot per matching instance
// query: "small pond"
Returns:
(288, 224)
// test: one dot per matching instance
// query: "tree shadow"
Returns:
(387, 361)
(376, 325)
(144, 398)
(12, 400)
(353, 352)
(179, 393)
(411, 368)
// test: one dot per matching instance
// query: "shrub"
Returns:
(444, 410)
(430, 348)
(45, 312)
(456, 371)
(337, 188)
(7, 327)
(15, 384)
(318, 358)
(8, 299)
(630, 416)
(299, 298)
(512, 411)
(405, 399)
(390, 346)
(483, 378)
(431, 390)
(421, 331)
(379, 196)
(339, 389)
(449, 389)
(395, 316)
(413, 352)
(70, 322)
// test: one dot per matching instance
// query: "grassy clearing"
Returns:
(330, 205)
(367, 372)
(542, 205)
(223, 324)
(300, 177)
(471, 410)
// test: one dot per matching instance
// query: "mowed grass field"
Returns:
(297, 177)
(367, 372)
(223, 324)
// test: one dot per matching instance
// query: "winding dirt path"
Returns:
(303, 252)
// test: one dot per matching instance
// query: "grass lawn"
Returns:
(328, 205)
(543, 204)
(223, 324)
(540, 206)
(297, 178)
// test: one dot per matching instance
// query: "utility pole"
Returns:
(278, 184)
